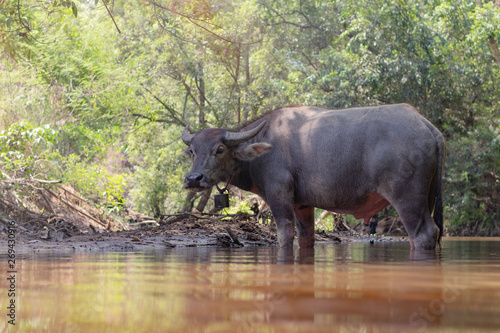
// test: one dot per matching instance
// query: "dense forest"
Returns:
(95, 93)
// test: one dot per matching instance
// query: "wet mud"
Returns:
(188, 230)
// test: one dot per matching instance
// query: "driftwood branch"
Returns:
(9, 182)
(16, 225)
(153, 222)
(79, 210)
(201, 215)
(6, 202)
(46, 201)
(74, 194)
(322, 216)
(41, 181)
(233, 236)
(392, 225)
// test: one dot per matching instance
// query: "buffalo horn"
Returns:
(235, 138)
(186, 136)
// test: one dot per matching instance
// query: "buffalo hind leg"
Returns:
(304, 220)
(421, 228)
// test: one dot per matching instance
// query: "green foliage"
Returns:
(219, 63)
(325, 224)
(159, 166)
(472, 182)
(106, 189)
(24, 23)
(25, 149)
(241, 206)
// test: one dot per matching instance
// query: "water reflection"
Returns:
(342, 287)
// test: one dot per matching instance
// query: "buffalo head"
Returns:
(216, 154)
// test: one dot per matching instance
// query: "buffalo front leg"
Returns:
(304, 219)
(283, 215)
(285, 231)
(279, 196)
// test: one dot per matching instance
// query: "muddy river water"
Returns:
(358, 287)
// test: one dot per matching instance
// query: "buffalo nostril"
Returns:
(193, 179)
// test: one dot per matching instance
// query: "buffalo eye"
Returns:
(219, 150)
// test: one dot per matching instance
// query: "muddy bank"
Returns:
(187, 230)
(56, 217)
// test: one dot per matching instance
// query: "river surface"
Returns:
(358, 287)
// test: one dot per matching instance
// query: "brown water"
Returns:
(333, 288)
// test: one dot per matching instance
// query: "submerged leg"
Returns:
(284, 217)
(285, 231)
(304, 219)
(373, 224)
(421, 228)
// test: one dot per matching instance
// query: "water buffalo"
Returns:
(353, 161)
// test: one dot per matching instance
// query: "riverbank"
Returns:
(187, 230)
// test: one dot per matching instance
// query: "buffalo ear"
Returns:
(187, 153)
(253, 150)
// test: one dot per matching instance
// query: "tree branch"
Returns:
(297, 25)
(193, 20)
(22, 34)
(152, 119)
(170, 110)
(111, 15)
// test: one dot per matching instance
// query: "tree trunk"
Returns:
(191, 198)
(246, 109)
(201, 88)
(492, 41)
(236, 84)
(204, 200)
(494, 49)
